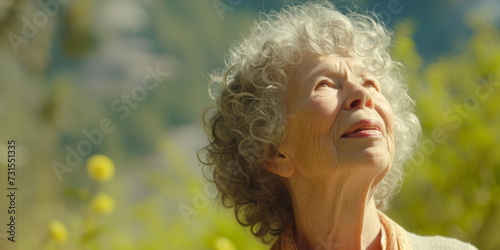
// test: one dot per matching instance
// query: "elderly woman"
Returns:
(311, 130)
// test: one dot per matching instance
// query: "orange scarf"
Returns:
(394, 237)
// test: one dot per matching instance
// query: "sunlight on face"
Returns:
(337, 117)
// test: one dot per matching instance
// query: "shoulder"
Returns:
(438, 242)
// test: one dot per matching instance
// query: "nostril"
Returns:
(369, 103)
(355, 103)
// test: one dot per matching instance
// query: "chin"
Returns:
(373, 158)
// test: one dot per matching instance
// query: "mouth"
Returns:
(364, 128)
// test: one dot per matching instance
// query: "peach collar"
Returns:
(394, 237)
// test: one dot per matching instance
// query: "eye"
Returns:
(371, 84)
(325, 83)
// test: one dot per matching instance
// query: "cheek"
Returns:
(312, 122)
(320, 117)
(388, 117)
(385, 111)
(309, 130)
(323, 112)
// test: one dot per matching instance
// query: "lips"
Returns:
(364, 128)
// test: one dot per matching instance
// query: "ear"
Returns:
(280, 164)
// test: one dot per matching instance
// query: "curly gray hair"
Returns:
(248, 123)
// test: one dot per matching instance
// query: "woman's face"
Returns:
(337, 118)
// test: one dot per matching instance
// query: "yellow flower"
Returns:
(58, 231)
(102, 204)
(100, 168)
(223, 243)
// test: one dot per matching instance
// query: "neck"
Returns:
(338, 214)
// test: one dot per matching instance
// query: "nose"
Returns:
(358, 96)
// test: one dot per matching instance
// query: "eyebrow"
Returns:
(330, 70)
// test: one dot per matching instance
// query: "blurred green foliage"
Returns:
(451, 186)
(66, 78)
